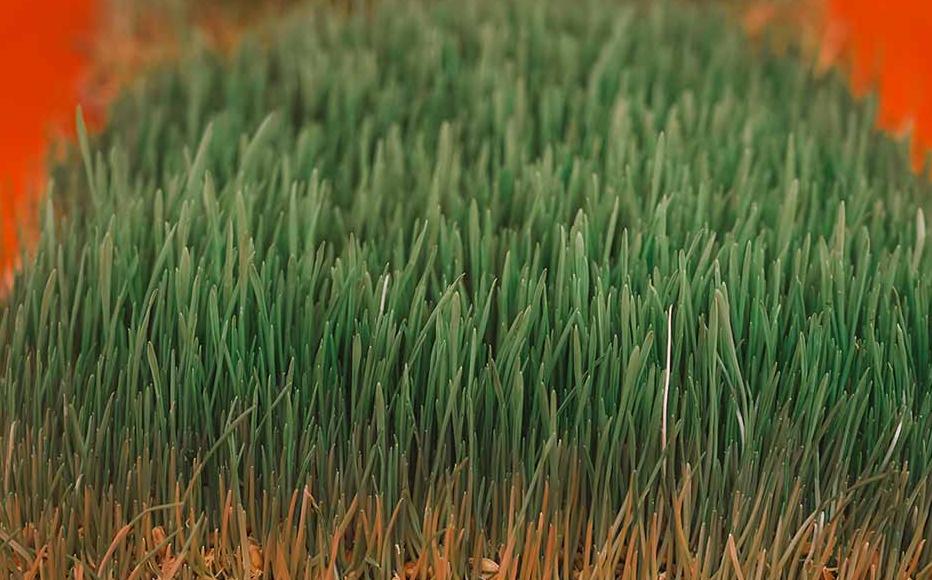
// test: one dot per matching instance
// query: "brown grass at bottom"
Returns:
(560, 537)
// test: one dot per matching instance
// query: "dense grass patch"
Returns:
(569, 286)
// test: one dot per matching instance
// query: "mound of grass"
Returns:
(536, 288)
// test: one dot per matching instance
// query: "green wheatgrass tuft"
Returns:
(533, 287)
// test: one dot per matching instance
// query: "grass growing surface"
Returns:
(530, 288)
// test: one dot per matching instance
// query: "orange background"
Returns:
(889, 44)
(43, 44)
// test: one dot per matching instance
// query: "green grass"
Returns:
(427, 264)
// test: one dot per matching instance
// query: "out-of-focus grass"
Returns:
(532, 288)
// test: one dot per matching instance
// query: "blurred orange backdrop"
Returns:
(883, 45)
(888, 44)
(43, 49)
